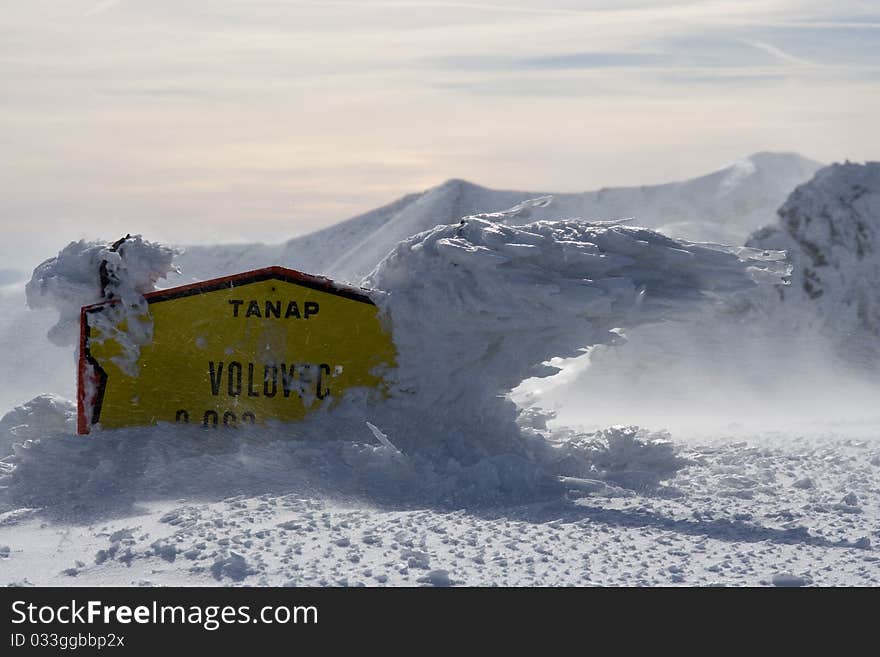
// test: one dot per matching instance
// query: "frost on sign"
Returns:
(271, 344)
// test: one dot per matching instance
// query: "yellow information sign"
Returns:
(267, 344)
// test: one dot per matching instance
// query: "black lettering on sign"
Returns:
(182, 416)
(273, 308)
(210, 417)
(248, 417)
(251, 391)
(273, 379)
(234, 383)
(253, 310)
(216, 377)
(296, 378)
(229, 419)
(320, 390)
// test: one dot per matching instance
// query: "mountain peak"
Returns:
(456, 184)
(769, 156)
(773, 161)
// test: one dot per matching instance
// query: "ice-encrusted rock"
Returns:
(830, 226)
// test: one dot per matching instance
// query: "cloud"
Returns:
(437, 4)
(188, 121)
(778, 53)
(594, 60)
(101, 8)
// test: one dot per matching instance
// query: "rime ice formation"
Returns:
(477, 307)
(88, 272)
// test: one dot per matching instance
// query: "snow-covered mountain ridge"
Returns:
(724, 206)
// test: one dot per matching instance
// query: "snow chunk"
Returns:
(849, 504)
(235, 567)
(626, 456)
(788, 580)
(437, 578)
(381, 437)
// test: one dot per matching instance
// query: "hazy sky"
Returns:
(229, 120)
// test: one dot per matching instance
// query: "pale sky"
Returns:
(230, 120)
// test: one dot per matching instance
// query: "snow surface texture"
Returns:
(768, 510)
(724, 206)
(72, 279)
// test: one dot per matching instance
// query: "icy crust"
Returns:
(72, 279)
(479, 306)
(831, 228)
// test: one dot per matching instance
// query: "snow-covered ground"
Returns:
(745, 510)
(449, 482)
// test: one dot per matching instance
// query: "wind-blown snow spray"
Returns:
(800, 355)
